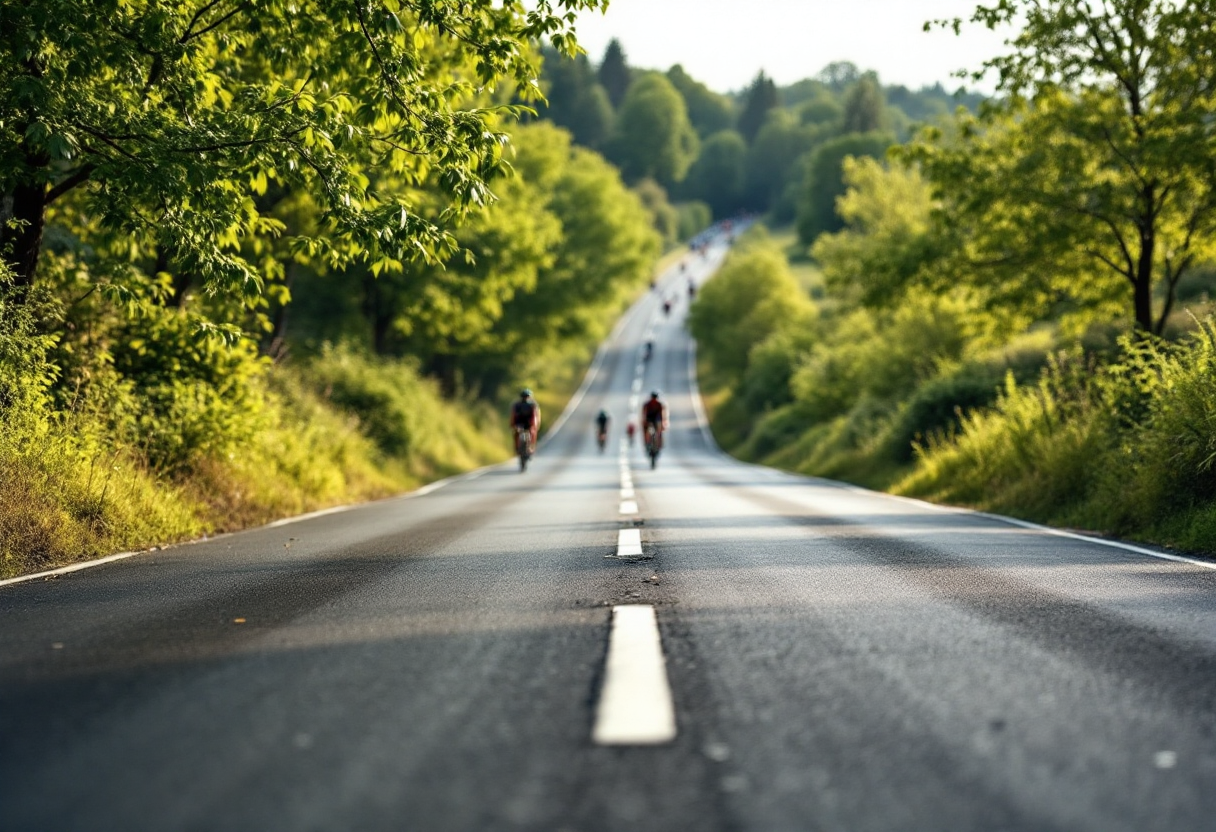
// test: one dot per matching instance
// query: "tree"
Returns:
(773, 155)
(708, 111)
(652, 136)
(840, 75)
(886, 210)
(717, 177)
(576, 100)
(760, 97)
(864, 106)
(606, 252)
(823, 110)
(752, 296)
(1100, 163)
(825, 181)
(664, 217)
(614, 72)
(164, 123)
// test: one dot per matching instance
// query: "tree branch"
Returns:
(81, 175)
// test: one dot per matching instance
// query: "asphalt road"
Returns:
(835, 659)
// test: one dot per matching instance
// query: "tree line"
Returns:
(763, 150)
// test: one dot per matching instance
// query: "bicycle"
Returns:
(523, 446)
(654, 444)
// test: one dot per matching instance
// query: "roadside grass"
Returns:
(345, 429)
(64, 499)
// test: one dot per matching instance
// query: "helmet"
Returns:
(525, 393)
(654, 394)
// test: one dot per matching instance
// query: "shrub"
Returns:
(938, 405)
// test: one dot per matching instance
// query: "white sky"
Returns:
(724, 43)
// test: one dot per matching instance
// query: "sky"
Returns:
(724, 43)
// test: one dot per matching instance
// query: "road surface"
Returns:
(484, 656)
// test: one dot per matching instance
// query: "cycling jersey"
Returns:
(523, 413)
(653, 411)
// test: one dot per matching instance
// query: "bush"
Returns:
(195, 395)
(753, 295)
(403, 414)
(938, 405)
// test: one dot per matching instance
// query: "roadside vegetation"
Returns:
(1014, 312)
(257, 261)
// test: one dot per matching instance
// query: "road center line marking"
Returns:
(627, 492)
(637, 385)
(629, 543)
(635, 705)
(629, 507)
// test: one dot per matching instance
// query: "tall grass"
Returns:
(1127, 448)
(341, 429)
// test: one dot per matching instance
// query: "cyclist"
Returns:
(525, 413)
(654, 418)
(630, 430)
(601, 423)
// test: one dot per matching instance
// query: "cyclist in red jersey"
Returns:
(654, 414)
(525, 412)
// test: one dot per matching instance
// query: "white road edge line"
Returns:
(694, 391)
(635, 706)
(593, 370)
(286, 521)
(75, 567)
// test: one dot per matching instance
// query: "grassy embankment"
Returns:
(1095, 430)
(342, 429)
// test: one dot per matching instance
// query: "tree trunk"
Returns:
(28, 207)
(276, 345)
(373, 310)
(444, 368)
(1143, 283)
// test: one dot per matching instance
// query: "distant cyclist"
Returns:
(654, 422)
(654, 415)
(601, 423)
(525, 413)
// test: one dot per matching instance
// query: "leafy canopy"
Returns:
(1098, 177)
(167, 121)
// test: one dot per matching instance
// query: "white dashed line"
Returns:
(635, 705)
(629, 507)
(629, 543)
(627, 492)
(637, 385)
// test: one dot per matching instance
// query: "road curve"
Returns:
(835, 659)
